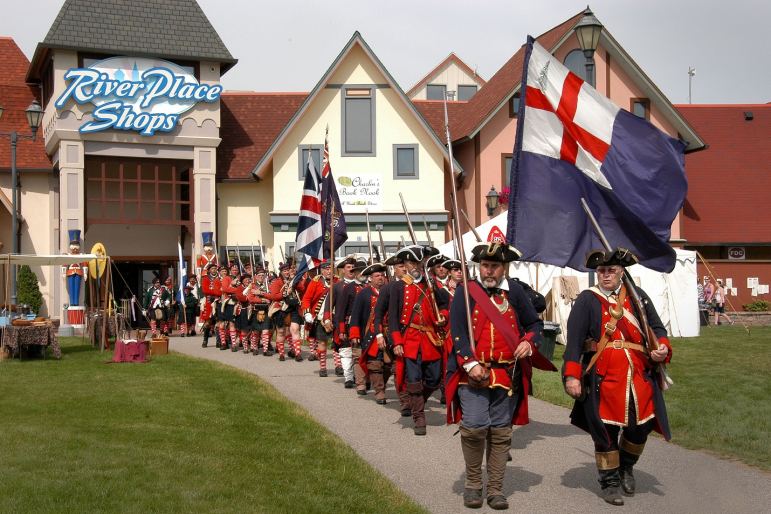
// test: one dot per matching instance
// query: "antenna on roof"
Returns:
(691, 73)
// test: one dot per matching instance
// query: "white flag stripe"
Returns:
(542, 133)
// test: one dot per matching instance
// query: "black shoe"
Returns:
(312, 357)
(291, 354)
(497, 502)
(382, 401)
(472, 498)
(192, 333)
(322, 373)
(269, 353)
(281, 358)
(627, 481)
(234, 348)
(419, 430)
(338, 371)
(407, 412)
(298, 358)
(349, 384)
(361, 392)
(612, 495)
(204, 344)
(182, 335)
(270, 348)
(224, 347)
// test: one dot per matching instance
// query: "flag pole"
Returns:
(331, 258)
(454, 198)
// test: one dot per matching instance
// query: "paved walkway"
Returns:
(553, 467)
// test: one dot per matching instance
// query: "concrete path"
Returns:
(553, 467)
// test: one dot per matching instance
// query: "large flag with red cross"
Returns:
(574, 143)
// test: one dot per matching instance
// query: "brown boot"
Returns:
(500, 444)
(375, 369)
(473, 442)
(417, 404)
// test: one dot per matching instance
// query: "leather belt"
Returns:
(591, 346)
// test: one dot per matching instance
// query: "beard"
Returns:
(490, 282)
(415, 273)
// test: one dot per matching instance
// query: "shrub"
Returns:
(28, 289)
(757, 306)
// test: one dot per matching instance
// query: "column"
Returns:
(205, 193)
(72, 201)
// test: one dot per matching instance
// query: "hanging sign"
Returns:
(736, 253)
(135, 93)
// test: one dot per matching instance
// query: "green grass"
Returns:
(174, 435)
(721, 400)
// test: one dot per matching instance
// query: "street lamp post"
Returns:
(588, 32)
(34, 116)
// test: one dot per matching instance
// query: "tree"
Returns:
(28, 289)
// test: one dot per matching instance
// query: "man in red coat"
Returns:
(414, 320)
(212, 290)
(488, 384)
(317, 312)
(613, 374)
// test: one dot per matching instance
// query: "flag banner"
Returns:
(574, 143)
(332, 217)
(309, 238)
(182, 274)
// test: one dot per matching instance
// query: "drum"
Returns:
(76, 316)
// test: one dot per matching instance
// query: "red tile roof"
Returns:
(438, 68)
(433, 112)
(15, 97)
(250, 122)
(729, 181)
(502, 84)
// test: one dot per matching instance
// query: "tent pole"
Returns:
(711, 274)
(104, 305)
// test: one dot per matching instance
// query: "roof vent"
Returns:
(748, 116)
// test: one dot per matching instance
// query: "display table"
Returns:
(16, 337)
(130, 351)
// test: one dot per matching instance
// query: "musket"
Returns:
(369, 239)
(649, 337)
(470, 225)
(283, 257)
(454, 198)
(264, 264)
(383, 253)
(238, 256)
(227, 257)
(455, 234)
(428, 234)
(251, 260)
(429, 282)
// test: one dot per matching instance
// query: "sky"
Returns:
(288, 45)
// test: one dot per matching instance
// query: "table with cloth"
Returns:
(14, 337)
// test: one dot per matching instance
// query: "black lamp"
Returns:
(492, 200)
(588, 32)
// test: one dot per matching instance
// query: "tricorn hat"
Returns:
(619, 256)
(451, 264)
(393, 260)
(286, 265)
(359, 264)
(348, 259)
(495, 249)
(325, 264)
(373, 268)
(416, 253)
(436, 260)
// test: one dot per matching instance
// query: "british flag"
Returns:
(320, 209)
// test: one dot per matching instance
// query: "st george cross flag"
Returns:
(309, 239)
(574, 143)
(332, 217)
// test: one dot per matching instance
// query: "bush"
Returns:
(28, 290)
(757, 306)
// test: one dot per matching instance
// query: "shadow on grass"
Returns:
(585, 477)
(515, 480)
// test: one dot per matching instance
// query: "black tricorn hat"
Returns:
(393, 260)
(373, 268)
(285, 265)
(436, 260)
(451, 264)
(495, 249)
(350, 259)
(359, 264)
(416, 253)
(619, 256)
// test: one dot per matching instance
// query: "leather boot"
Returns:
(417, 404)
(610, 480)
(500, 444)
(629, 454)
(473, 442)
(375, 369)
(205, 342)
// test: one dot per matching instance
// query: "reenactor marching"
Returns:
(211, 287)
(318, 314)
(156, 305)
(350, 286)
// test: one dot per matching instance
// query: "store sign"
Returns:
(135, 94)
(359, 191)
(736, 253)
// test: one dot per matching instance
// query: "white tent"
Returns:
(673, 294)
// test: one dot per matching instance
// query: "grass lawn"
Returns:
(174, 435)
(721, 400)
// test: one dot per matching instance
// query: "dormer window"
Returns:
(436, 91)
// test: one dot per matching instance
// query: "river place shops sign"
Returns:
(135, 94)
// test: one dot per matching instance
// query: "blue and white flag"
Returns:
(574, 143)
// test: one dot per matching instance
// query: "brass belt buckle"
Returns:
(618, 345)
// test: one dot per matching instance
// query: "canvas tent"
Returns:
(673, 294)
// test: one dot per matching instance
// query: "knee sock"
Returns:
(265, 339)
(336, 359)
(154, 328)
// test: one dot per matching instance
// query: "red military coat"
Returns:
(313, 298)
(414, 328)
